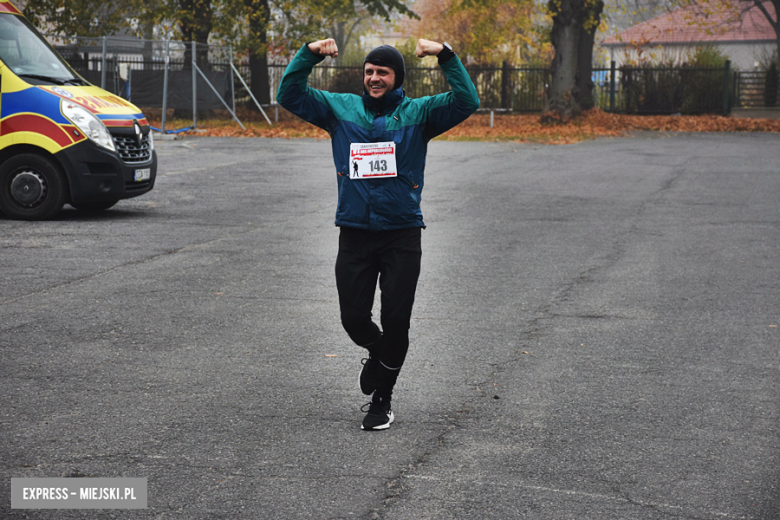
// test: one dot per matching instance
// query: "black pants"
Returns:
(393, 257)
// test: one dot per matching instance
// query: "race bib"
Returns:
(372, 160)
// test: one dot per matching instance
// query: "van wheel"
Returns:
(94, 207)
(32, 187)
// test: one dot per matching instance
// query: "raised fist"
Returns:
(325, 48)
(428, 48)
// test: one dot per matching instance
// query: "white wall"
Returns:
(743, 56)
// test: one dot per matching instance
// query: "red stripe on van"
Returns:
(74, 133)
(6, 7)
(124, 122)
(118, 122)
(36, 124)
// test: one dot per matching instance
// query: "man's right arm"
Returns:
(294, 93)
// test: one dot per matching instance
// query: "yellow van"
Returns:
(63, 140)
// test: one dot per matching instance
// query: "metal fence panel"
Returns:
(522, 91)
(134, 69)
(644, 90)
(750, 87)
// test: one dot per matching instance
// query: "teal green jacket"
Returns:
(387, 203)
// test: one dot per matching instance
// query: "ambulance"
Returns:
(62, 140)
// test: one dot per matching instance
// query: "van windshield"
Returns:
(29, 56)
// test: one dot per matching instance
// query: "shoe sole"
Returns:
(381, 426)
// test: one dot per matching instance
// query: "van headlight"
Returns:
(88, 123)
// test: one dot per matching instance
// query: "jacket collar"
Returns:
(385, 104)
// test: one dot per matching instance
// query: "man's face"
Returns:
(378, 80)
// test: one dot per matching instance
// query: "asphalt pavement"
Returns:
(596, 336)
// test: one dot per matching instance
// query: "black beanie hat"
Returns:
(387, 56)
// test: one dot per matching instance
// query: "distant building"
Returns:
(747, 41)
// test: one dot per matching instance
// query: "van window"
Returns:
(29, 56)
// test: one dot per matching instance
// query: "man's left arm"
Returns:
(454, 107)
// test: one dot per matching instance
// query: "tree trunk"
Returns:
(583, 92)
(148, 50)
(338, 32)
(342, 32)
(260, 84)
(574, 27)
(506, 85)
(561, 104)
(776, 26)
(195, 24)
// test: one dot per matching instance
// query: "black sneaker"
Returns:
(368, 374)
(379, 416)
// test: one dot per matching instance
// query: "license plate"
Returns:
(144, 174)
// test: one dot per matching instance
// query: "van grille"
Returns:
(129, 150)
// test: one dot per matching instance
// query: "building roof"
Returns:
(692, 25)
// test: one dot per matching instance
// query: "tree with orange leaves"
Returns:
(482, 31)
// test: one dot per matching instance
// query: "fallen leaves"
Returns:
(594, 124)
(517, 128)
(284, 130)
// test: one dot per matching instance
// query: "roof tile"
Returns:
(692, 25)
